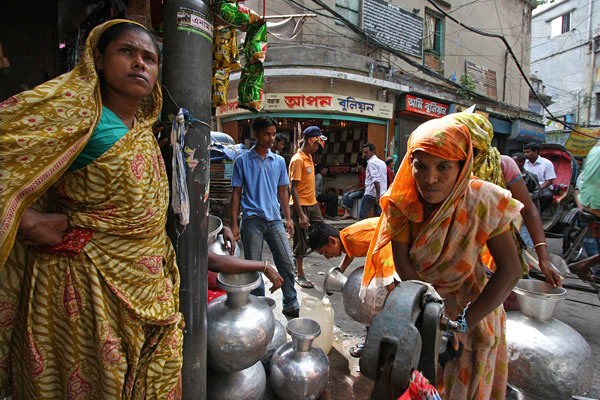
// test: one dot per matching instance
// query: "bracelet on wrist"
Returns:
(265, 270)
(540, 244)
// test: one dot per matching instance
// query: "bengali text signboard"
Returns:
(393, 26)
(483, 78)
(422, 106)
(580, 145)
(327, 102)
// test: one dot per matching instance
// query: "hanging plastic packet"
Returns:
(235, 53)
(250, 89)
(237, 14)
(223, 39)
(219, 89)
(255, 46)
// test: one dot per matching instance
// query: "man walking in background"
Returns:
(305, 209)
(375, 182)
(260, 184)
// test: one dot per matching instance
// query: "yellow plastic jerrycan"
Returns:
(322, 312)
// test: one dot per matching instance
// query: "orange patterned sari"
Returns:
(96, 317)
(446, 252)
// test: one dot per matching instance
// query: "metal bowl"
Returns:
(214, 227)
(538, 299)
(237, 283)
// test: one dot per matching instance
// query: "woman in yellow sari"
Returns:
(89, 304)
(438, 220)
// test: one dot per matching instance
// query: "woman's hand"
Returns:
(42, 229)
(552, 276)
(274, 277)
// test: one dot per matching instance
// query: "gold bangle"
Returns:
(540, 244)
(265, 270)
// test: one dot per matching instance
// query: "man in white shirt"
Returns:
(544, 170)
(375, 182)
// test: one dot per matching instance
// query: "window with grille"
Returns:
(597, 107)
(560, 25)
(432, 34)
(349, 9)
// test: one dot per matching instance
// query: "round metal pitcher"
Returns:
(247, 384)
(240, 326)
(547, 358)
(298, 370)
(216, 243)
(360, 311)
(279, 336)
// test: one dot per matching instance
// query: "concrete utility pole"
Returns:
(187, 70)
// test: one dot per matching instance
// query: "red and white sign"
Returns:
(425, 107)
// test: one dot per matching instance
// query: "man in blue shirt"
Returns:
(260, 183)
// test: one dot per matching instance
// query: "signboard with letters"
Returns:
(324, 102)
(580, 145)
(422, 106)
(393, 26)
(527, 131)
(483, 78)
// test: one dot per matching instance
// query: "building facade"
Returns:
(564, 55)
(402, 63)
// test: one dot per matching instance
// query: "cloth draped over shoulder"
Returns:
(96, 316)
(447, 252)
(487, 166)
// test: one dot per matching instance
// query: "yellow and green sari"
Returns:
(96, 316)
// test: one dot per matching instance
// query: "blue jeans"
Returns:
(348, 198)
(366, 204)
(254, 231)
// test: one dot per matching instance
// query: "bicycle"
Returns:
(581, 225)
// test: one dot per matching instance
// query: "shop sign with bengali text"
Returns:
(580, 145)
(327, 102)
(231, 108)
(424, 107)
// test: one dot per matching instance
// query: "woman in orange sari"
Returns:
(89, 287)
(438, 221)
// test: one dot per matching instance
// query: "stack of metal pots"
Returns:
(279, 336)
(240, 328)
(547, 358)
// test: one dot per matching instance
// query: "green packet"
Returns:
(250, 89)
(237, 14)
(255, 45)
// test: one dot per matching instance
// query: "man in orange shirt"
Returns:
(353, 241)
(304, 207)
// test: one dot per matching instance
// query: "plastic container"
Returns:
(321, 312)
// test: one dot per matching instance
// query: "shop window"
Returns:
(349, 9)
(433, 34)
(560, 25)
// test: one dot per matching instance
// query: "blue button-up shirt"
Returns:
(260, 180)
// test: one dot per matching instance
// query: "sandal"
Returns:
(305, 283)
(356, 351)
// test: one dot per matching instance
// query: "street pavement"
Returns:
(580, 310)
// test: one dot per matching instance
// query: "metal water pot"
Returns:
(298, 370)
(360, 311)
(247, 384)
(216, 244)
(240, 326)
(279, 336)
(547, 358)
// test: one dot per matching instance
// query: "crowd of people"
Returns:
(89, 282)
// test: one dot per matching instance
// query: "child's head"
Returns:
(325, 240)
